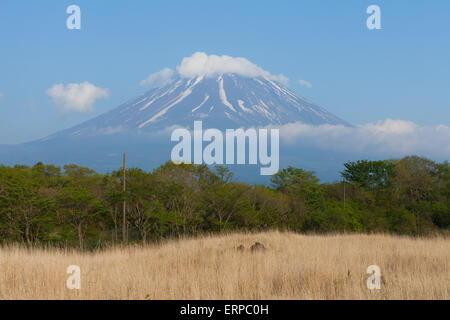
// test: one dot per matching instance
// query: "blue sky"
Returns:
(399, 72)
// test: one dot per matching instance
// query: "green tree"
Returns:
(369, 174)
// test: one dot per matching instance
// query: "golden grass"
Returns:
(293, 267)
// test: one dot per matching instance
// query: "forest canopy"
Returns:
(76, 206)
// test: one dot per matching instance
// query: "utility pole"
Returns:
(344, 191)
(124, 222)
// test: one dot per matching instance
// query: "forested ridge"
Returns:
(76, 207)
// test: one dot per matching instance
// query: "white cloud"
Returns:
(160, 78)
(201, 64)
(388, 138)
(305, 83)
(76, 97)
(1, 95)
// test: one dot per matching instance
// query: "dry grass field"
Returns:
(293, 267)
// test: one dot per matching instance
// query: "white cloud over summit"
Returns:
(202, 64)
(305, 83)
(157, 79)
(76, 97)
(386, 138)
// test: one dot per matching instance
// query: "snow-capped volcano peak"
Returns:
(222, 101)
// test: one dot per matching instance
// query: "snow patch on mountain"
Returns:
(223, 95)
(242, 106)
(201, 104)
(180, 98)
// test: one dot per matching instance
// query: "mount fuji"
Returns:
(141, 126)
(222, 101)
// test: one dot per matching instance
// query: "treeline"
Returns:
(75, 206)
